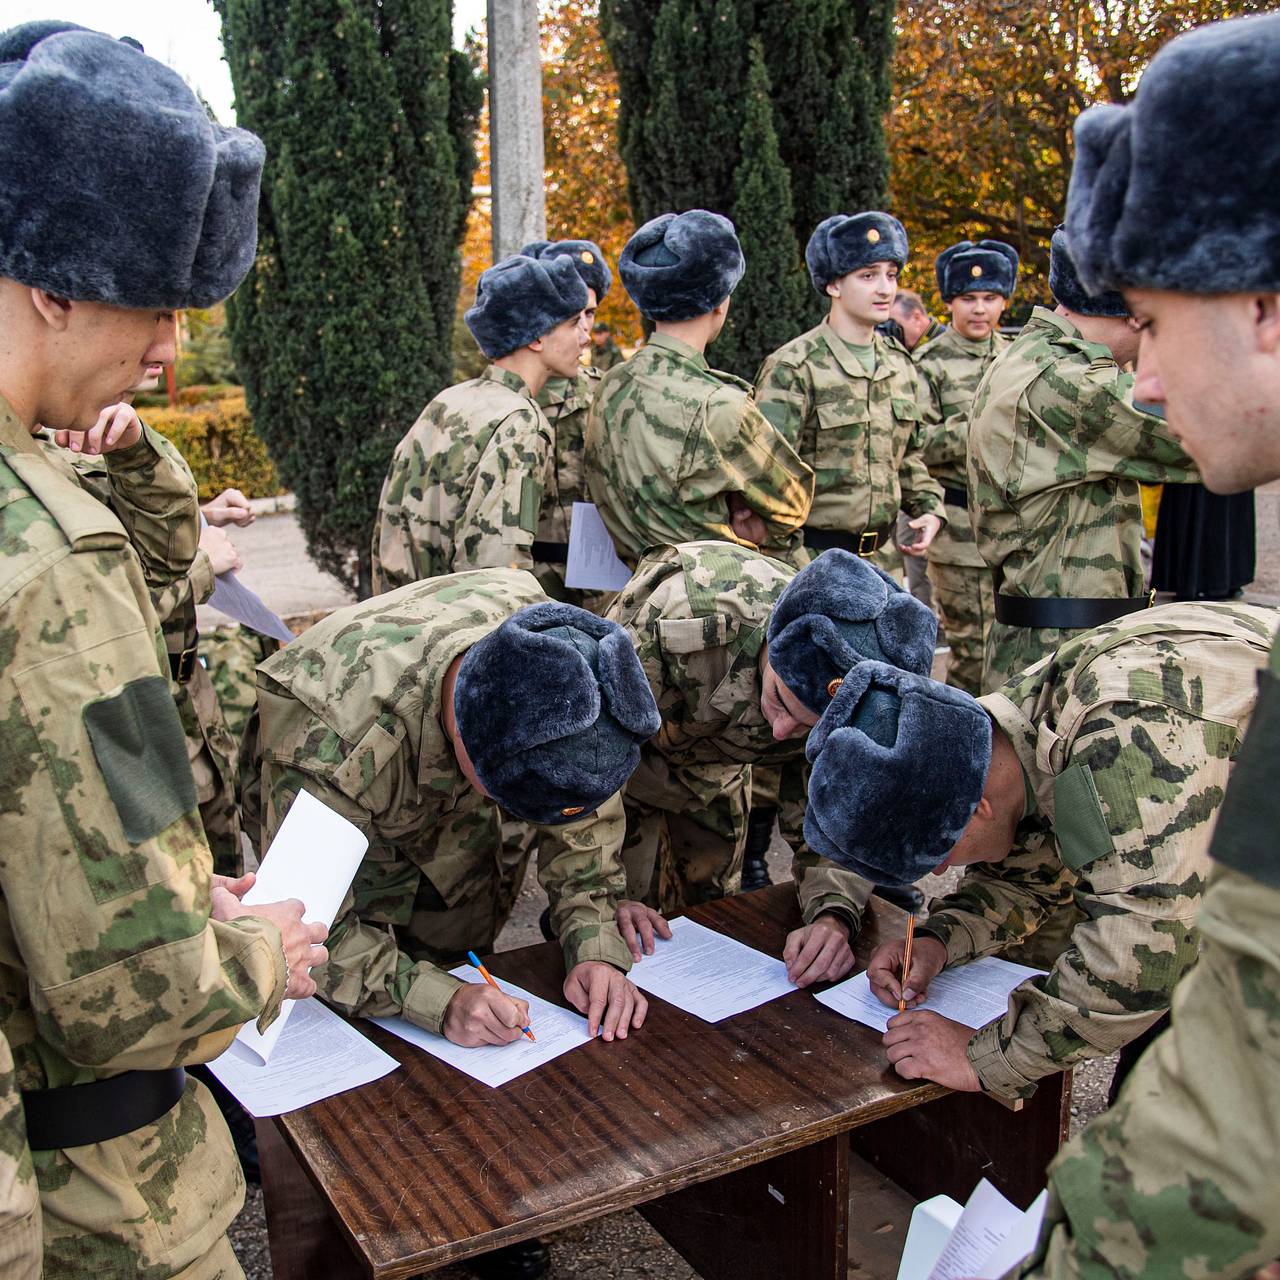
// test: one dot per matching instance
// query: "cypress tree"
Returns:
(342, 332)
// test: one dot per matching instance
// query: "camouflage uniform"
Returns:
(1056, 453)
(351, 713)
(669, 439)
(951, 368)
(698, 615)
(465, 485)
(19, 1196)
(604, 358)
(1126, 737)
(230, 654)
(110, 960)
(858, 430)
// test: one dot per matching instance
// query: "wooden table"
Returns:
(731, 1138)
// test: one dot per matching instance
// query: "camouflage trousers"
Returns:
(686, 829)
(212, 751)
(967, 605)
(231, 656)
(1010, 651)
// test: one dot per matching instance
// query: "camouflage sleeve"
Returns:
(822, 887)
(943, 438)
(497, 526)
(1182, 1175)
(785, 399)
(193, 588)
(580, 867)
(921, 493)
(395, 550)
(20, 1245)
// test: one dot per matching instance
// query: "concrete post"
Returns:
(515, 126)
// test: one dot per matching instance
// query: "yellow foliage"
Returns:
(220, 445)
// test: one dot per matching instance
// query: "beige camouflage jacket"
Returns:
(698, 615)
(20, 1244)
(1127, 737)
(857, 430)
(669, 439)
(465, 485)
(111, 961)
(950, 369)
(350, 712)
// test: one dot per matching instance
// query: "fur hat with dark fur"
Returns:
(519, 299)
(682, 265)
(990, 266)
(1067, 289)
(115, 186)
(839, 611)
(1177, 190)
(588, 261)
(552, 707)
(899, 765)
(844, 242)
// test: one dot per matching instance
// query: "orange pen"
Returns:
(488, 977)
(906, 965)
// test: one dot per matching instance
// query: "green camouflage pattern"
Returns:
(20, 1247)
(605, 357)
(350, 712)
(1127, 736)
(465, 485)
(110, 960)
(669, 439)
(230, 654)
(858, 430)
(698, 615)
(1056, 454)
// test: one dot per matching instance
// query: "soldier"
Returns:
(677, 451)
(1056, 453)
(605, 352)
(698, 615)
(123, 957)
(976, 282)
(466, 484)
(1183, 1174)
(1080, 798)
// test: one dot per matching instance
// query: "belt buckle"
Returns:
(186, 665)
(868, 542)
(1151, 598)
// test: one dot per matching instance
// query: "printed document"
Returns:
(991, 1236)
(593, 561)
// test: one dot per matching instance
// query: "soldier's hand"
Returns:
(928, 526)
(747, 524)
(479, 1014)
(236, 888)
(229, 507)
(302, 942)
(884, 971)
(637, 924)
(611, 1004)
(923, 1045)
(222, 553)
(117, 427)
(818, 952)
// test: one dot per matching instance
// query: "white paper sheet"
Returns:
(1018, 1243)
(709, 975)
(972, 993)
(593, 561)
(557, 1030)
(319, 1055)
(988, 1229)
(313, 858)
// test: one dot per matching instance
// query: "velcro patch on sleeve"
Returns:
(1078, 821)
(139, 745)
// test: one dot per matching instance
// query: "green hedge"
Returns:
(220, 445)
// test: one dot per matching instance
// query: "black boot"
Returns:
(755, 871)
(528, 1260)
(908, 897)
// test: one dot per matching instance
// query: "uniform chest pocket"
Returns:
(842, 409)
(906, 410)
(679, 636)
(385, 887)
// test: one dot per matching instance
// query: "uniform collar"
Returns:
(1069, 335)
(665, 342)
(1022, 733)
(13, 433)
(494, 373)
(846, 357)
(971, 347)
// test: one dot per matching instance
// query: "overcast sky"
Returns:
(186, 34)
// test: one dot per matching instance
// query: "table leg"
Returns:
(305, 1241)
(788, 1216)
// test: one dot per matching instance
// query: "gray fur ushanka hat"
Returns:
(552, 707)
(588, 261)
(520, 298)
(844, 242)
(990, 266)
(682, 265)
(115, 186)
(839, 611)
(899, 765)
(1067, 289)
(1178, 189)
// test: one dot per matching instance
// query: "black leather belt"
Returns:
(77, 1115)
(551, 552)
(864, 544)
(181, 665)
(1066, 613)
(955, 495)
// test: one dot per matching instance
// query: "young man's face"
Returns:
(976, 315)
(866, 296)
(788, 717)
(563, 346)
(1213, 362)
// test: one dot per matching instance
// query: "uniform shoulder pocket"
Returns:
(1078, 820)
(693, 635)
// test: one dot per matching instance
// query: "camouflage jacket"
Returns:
(698, 615)
(669, 439)
(20, 1246)
(950, 369)
(465, 485)
(1126, 736)
(350, 711)
(857, 430)
(1182, 1175)
(111, 961)
(604, 358)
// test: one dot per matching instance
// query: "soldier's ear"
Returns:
(833, 288)
(1266, 310)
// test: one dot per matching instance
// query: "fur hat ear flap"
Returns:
(908, 630)
(625, 688)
